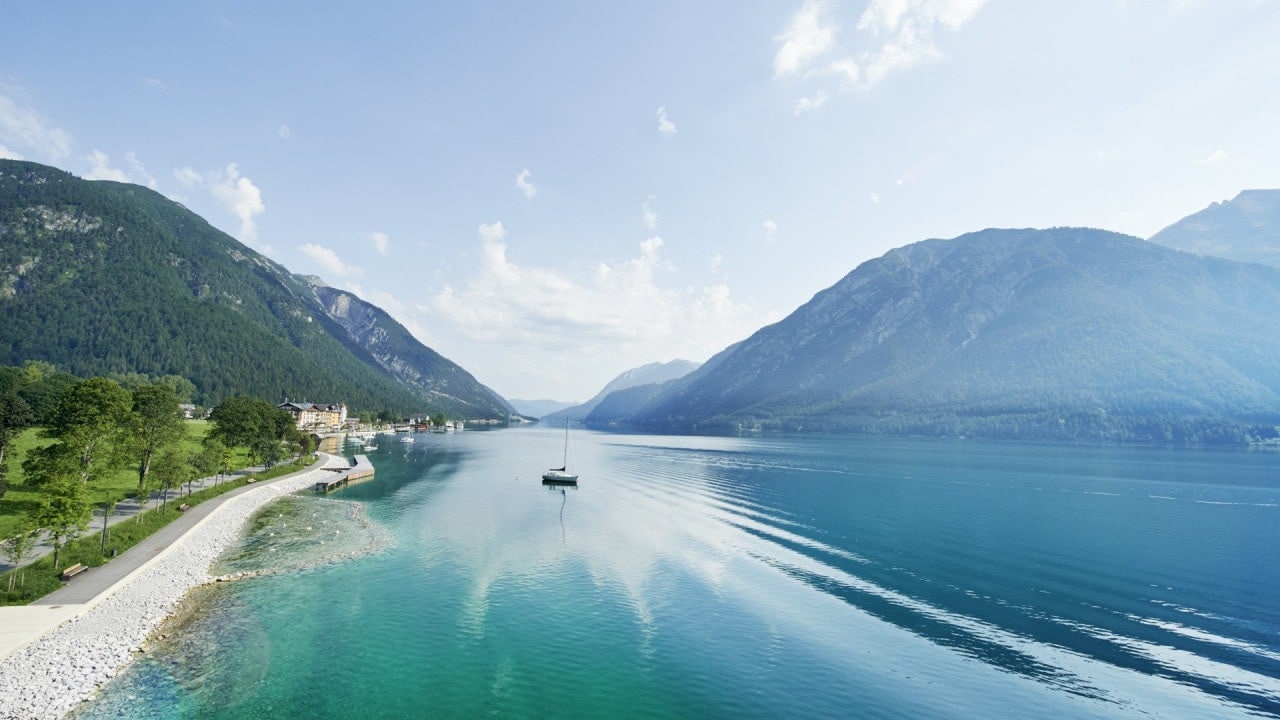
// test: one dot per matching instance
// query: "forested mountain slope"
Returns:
(1064, 333)
(99, 277)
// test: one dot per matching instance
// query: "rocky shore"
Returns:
(51, 676)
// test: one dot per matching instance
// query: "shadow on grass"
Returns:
(26, 584)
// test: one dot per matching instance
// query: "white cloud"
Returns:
(526, 187)
(770, 230)
(893, 36)
(1216, 156)
(716, 261)
(847, 70)
(23, 130)
(7, 154)
(283, 132)
(875, 199)
(139, 172)
(240, 197)
(809, 104)
(235, 193)
(327, 259)
(650, 216)
(492, 232)
(156, 85)
(187, 177)
(100, 168)
(619, 313)
(380, 241)
(665, 126)
(806, 38)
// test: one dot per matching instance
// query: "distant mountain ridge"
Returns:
(400, 354)
(538, 408)
(653, 373)
(1245, 228)
(100, 277)
(1068, 333)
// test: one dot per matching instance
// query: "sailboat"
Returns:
(561, 475)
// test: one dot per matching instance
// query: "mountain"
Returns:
(100, 277)
(538, 408)
(657, 372)
(397, 352)
(1068, 333)
(1245, 228)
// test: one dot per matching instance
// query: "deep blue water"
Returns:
(727, 577)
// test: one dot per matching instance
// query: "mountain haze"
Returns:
(539, 408)
(1063, 333)
(1245, 228)
(102, 277)
(657, 372)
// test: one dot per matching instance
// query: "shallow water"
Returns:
(726, 577)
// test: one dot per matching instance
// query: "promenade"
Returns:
(127, 509)
(21, 624)
(56, 654)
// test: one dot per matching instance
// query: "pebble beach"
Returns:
(53, 674)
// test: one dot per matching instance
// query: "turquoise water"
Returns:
(726, 577)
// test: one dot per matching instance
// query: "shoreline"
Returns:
(54, 673)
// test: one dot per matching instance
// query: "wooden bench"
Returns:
(73, 570)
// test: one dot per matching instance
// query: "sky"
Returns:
(552, 193)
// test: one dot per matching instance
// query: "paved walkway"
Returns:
(127, 509)
(21, 624)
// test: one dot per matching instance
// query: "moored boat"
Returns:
(561, 475)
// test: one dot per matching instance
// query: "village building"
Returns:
(315, 416)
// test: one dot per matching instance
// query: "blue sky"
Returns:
(552, 193)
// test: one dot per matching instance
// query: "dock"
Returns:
(361, 469)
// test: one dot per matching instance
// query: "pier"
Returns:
(361, 469)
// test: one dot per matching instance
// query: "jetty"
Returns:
(360, 469)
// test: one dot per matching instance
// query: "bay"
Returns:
(745, 577)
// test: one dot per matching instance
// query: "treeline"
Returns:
(1042, 425)
(99, 429)
(103, 278)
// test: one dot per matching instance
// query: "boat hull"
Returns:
(555, 477)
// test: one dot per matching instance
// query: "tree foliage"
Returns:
(158, 426)
(117, 280)
(92, 424)
(15, 415)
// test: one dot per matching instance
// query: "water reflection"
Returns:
(727, 577)
(710, 507)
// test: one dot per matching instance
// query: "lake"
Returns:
(744, 577)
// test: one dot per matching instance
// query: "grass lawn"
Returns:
(25, 584)
(22, 498)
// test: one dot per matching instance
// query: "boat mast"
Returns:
(566, 446)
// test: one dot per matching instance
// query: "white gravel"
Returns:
(51, 676)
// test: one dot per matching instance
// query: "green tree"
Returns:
(42, 387)
(304, 444)
(183, 389)
(208, 461)
(63, 510)
(18, 547)
(269, 451)
(15, 415)
(91, 423)
(240, 421)
(172, 469)
(254, 424)
(159, 426)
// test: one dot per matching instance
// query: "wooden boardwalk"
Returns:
(361, 469)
